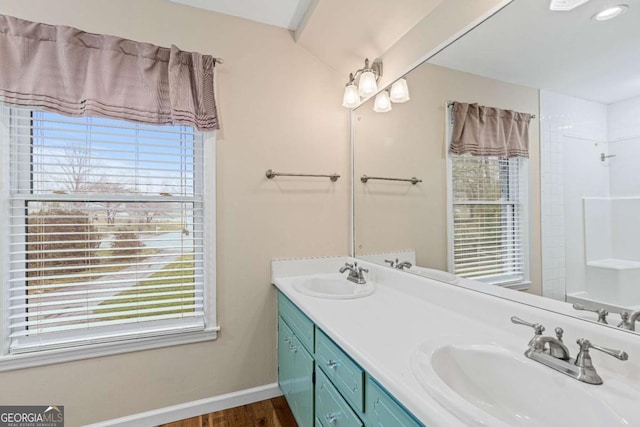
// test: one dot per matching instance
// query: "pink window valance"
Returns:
(75, 73)
(489, 131)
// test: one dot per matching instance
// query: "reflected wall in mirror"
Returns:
(581, 78)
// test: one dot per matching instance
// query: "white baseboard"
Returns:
(195, 408)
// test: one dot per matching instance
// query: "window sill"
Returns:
(509, 282)
(519, 286)
(49, 357)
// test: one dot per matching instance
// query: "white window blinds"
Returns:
(488, 239)
(106, 230)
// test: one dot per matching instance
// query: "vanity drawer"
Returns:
(300, 324)
(343, 372)
(383, 411)
(331, 409)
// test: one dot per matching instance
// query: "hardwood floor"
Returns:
(267, 413)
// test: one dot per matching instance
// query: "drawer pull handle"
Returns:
(293, 348)
(287, 339)
(332, 417)
(332, 363)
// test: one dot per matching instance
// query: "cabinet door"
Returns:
(301, 401)
(285, 359)
(383, 411)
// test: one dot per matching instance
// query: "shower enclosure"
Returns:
(591, 201)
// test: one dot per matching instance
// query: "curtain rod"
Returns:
(450, 103)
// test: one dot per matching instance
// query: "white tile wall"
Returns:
(565, 122)
(574, 132)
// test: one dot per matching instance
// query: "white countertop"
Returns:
(381, 332)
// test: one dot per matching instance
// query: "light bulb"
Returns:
(351, 98)
(399, 91)
(382, 103)
(367, 85)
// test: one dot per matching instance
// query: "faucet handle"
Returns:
(585, 345)
(363, 270)
(602, 313)
(537, 327)
(390, 262)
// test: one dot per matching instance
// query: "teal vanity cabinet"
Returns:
(295, 363)
(323, 385)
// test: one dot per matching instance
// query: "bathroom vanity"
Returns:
(311, 365)
(415, 352)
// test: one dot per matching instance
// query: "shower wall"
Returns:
(575, 133)
(624, 140)
(570, 128)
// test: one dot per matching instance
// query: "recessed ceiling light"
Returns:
(610, 13)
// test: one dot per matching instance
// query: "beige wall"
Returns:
(280, 109)
(410, 141)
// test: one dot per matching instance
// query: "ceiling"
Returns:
(565, 52)
(341, 33)
(281, 13)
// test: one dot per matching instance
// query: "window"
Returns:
(106, 232)
(488, 233)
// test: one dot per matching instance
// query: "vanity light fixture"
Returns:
(362, 84)
(399, 91)
(382, 103)
(610, 13)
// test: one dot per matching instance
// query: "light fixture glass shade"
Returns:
(399, 91)
(382, 103)
(367, 85)
(351, 98)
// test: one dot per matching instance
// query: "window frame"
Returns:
(9, 361)
(523, 202)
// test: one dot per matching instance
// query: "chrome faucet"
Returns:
(356, 274)
(629, 320)
(553, 346)
(551, 352)
(403, 264)
(397, 264)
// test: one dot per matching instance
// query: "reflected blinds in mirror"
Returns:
(488, 238)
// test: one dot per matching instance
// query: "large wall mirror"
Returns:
(580, 187)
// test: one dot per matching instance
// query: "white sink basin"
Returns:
(489, 385)
(334, 286)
